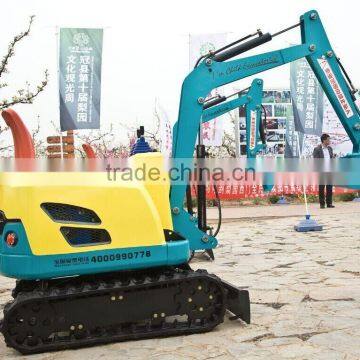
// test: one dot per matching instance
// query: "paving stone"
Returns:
(304, 288)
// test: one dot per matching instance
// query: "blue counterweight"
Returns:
(141, 146)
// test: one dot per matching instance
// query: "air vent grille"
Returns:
(70, 214)
(85, 237)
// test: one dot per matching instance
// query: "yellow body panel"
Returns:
(158, 186)
(133, 212)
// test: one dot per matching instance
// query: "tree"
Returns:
(7, 150)
(227, 148)
(101, 141)
(152, 135)
(39, 143)
(22, 96)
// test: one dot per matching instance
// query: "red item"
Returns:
(89, 151)
(23, 143)
(11, 239)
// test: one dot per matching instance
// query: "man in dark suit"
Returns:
(324, 151)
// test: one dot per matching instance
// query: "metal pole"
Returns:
(237, 134)
(201, 187)
(304, 184)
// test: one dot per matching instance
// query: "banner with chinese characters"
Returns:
(307, 98)
(80, 78)
(212, 131)
(291, 138)
(227, 191)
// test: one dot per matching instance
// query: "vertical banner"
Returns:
(340, 141)
(291, 139)
(307, 98)
(80, 78)
(200, 45)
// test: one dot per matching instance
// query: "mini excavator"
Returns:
(99, 261)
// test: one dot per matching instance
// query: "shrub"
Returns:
(273, 199)
(256, 201)
(346, 196)
(312, 198)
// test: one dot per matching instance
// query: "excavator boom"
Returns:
(216, 70)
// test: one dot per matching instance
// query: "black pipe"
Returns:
(218, 205)
(214, 102)
(351, 87)
(201, 188)
(287, 29)
(258, 32)
(236, 50)
(189, 204)
(140, 131)
(262, 128)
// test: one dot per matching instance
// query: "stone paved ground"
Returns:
(305, 293)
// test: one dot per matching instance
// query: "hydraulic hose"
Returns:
(218, 204)
(262, 128)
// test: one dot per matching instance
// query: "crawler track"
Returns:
(83, 311)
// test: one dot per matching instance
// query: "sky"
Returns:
(145, 51)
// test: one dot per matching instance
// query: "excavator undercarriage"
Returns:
(59, 303)
(90, 310)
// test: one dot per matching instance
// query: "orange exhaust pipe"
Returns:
(89, 151)
(23, 143)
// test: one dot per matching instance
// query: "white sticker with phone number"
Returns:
(252, 129)
(325, 66)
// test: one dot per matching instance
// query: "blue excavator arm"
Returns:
(252, 100)
(216, 70)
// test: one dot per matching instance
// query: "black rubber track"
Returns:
(91, 310)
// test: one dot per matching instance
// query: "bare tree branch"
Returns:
(100, 142)
(26, 98)
(4, 129)
(22, 96)
(11, 47)
(227, 148)
(39, 144)
(4, 148)
(155, 135)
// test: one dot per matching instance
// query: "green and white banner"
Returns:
(307, 99)
(80, 78)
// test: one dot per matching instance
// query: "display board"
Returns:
(277, 104)
(282, 137)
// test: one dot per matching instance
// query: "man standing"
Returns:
(324, 151)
